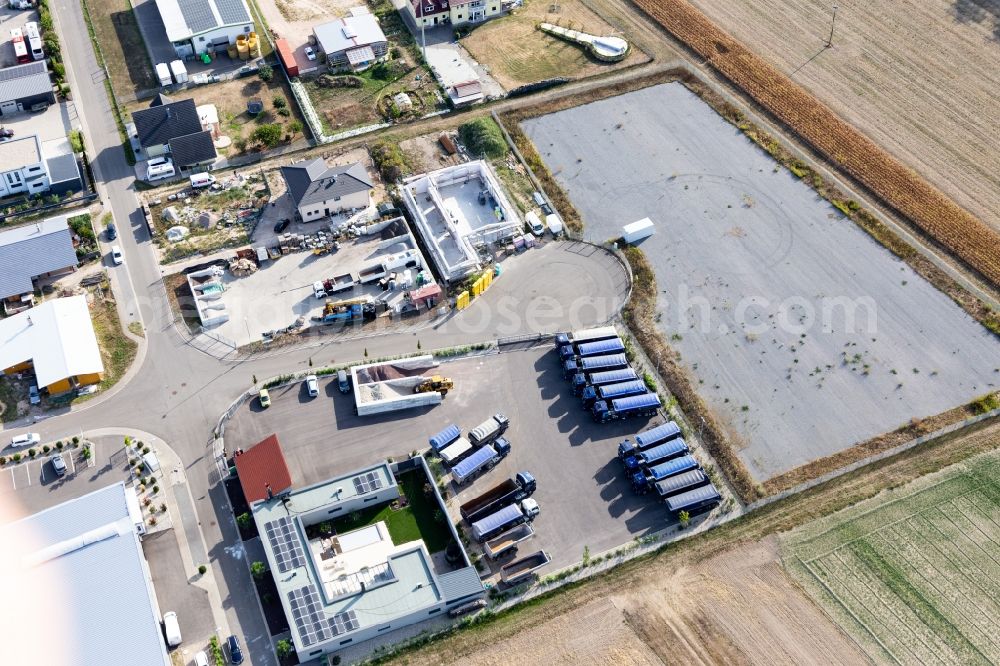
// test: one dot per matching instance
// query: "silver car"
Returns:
(59, 465)
(312, 386)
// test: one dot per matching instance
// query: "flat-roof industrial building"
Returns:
(77, 572)
(459, 210)
(338, 589)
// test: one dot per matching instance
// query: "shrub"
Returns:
(283, 648)
(279, 101)
(152, 520)
(482, 136)
(156, 489)
(243, 520)
(76, 440)
(216, 650)
(268, 134)
(258, 569)
(16, 457)
(3, 460)
(685, 518)
(284, 112)
(202, 569)
(163, 508)
(295, 127)
(390, 161)
(145, 450)
(32, 453)
(265, 72)
(59, 445)
(241, 146)
(46, 448)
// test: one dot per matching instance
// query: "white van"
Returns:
(172, 629)
(159, 168)
(199, 180)
(554, 223)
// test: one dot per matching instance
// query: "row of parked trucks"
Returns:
(468, 457)
(659, 460)
(594, 361)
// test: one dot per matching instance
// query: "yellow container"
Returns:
(244, 51)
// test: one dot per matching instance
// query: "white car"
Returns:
(116, 255)
(534, 223)
(312, 386)
(310, 53)
(201, 659)
(27, 439)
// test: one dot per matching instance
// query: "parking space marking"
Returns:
(72, 465)
(27, 473)
(13, 480)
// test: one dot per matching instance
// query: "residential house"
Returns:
(28, 168)
(31, 252)
(204, 26)
(25, 87)
(56, 340)
(352, 43)
(318, 191)
(173, 129)
(456, 12)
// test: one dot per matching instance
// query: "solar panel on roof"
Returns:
(11, 73)
(341, 623)
(285, 544)
(366, 483)
(307, 612)
(197, 15)
(232, 11)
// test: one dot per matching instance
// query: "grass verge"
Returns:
(8, 401)
(117, 349)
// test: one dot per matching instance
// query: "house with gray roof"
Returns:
(343, 582)
(173, 129)
(31, 252)
(80, 566)
(204, 26)
(25, 86)
(317, 190)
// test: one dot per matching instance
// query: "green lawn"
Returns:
(417, 521)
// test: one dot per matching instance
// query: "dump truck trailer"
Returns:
(504, 519)
(694, 501)
(506, 543)
(656, 455)
(582, 380)
(481, 461)
(521, 569)
(585, 335)
(648, 439)
(455, 451)
(592, 394)
(681, 483)
(488, 430)
(598, 348)
(442, 439)
(645, 404)
(643, 480)
(510, 491)
(594, 363)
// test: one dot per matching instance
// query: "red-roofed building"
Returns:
(263, 467)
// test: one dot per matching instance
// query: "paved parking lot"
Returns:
(174, 593)
(584, 497)
(53, 123)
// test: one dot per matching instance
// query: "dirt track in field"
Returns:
(936, 215)
(920, 77)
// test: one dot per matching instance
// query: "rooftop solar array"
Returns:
(232, 11)
(312, 624)
(11, 73)
(285, 544)
(368, 482)
(198, 15)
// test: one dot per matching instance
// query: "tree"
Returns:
(483, 137)
(258, 569)
(684, 517)
(268, 134)
(265, 72)
(283, 648)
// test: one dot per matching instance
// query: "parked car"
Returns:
(534, 223)
(33, 397)
(201, 659)
(343, 381)
(59, 465)
(282, 225)
(312, 386)
(6, 133)
(112, 231)
(172, 628)
(116, 256)
(265, 398)
(310, 53)
(235, 653)
(26, 439)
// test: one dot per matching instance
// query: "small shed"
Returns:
(427, 295)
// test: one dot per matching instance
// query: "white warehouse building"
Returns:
(458, 209)
(199, 26)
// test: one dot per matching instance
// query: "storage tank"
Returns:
(243, 48)
(254, 45)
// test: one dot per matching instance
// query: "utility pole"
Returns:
(833, 22)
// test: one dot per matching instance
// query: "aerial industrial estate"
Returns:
(356, 332)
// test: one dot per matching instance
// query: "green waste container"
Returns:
(205, 58)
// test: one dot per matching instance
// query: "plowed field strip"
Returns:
(932, 212)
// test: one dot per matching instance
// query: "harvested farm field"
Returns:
(914, 573)
(801, 333)
(883, 48)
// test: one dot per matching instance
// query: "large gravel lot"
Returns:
(757, 277)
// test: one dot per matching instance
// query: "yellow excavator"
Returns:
(436, 383)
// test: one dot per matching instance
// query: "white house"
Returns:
(22, 167)
(198, 26)
(353, 42)
(317, 190)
